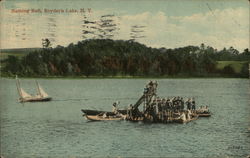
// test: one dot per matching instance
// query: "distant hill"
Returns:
(105, 57)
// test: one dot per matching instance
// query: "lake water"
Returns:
(57, 128)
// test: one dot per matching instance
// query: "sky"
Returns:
(166, 23)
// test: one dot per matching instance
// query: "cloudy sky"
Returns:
(166, 23)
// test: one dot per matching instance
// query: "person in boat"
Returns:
(153, 105)
(136, 113)
(146, 90)
(173, 100)
(163, 105)
(193, 105)
(183, 116)
(160, 109)
(206, 110)
(178, 103)
(104, 115)
(114, 104)
(189, 114)
(150, 83)
(169, 104)
(172, 103)
(188, 103)
(182, 104)
(154, 87)
(200, 109)
(114, 109)
(164, 108)
(155, 109)
(129, 111)
(150, 87)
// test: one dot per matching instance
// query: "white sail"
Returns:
(25, 97)
(42, 92)
(24, 94)
(38, 89)
(21, 92)
(18, 88)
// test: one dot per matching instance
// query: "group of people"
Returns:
(161, 110)
(176, 104)
(158, 109)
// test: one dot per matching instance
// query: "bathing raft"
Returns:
(155, 110)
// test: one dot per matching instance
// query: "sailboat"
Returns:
(25, 97)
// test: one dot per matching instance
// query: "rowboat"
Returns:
(204, 114)
(102, 118)
(97, 112)
(179, 120)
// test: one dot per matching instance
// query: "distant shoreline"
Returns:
(122, 77)
(106, 58)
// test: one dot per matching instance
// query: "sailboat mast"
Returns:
(18, 90)
(38, 89)
(249, 70)
(18, 87)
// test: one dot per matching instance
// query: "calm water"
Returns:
(57, 129)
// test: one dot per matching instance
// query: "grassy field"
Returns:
(4, 55)
(236, 65)
(19, 52)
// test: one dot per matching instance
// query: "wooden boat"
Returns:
(204, 114)
(179, 120)
(25, 97)
(97, 112)
(102, 118)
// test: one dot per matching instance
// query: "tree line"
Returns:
(106, 57)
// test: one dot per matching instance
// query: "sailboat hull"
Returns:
(35, 99)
